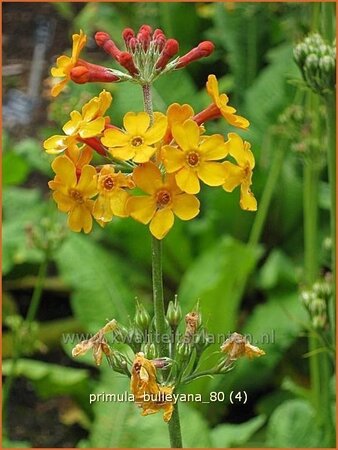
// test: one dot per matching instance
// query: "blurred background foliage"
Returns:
(248, 288)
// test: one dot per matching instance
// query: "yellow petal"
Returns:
(93, 128)
(56, 144)
(188, 181)
(65, 170)
(233, 119)
(79, 41)
(90, 109)
(212, 87)
(211, 173)
(233, 176)
(179, 113)
(173, 158)
(115, 138)
(141, 208)
(157, 130)
(124, 153)
(236, 149)
(63, 201)
(136, 124)
(118, 202)
(88, 181)
(105, 99)
(249, 155)
(57, 88)
(148, 177)
(186, 135)
(62, 64)
(80, 218)
(71, 127)
(186, 206)
(102, 210)
(161, 223)
(143, 153)
(247, 200)
(213, 147)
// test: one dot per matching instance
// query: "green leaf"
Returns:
(293, 425)
(101, 290)
(51, 379)
(7, 443)
(32, 152)
(14, 169)
(278, 271)
(214, 279)
(235, 435)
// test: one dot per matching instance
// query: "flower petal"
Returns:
(56, 144)
(88, 181)
(236, 149)
(65, 171)
(233, 176)
(148, 177)
(124, 153)
(186, 206)
(143, 153)
(187, 135)
(156, 132)
(212, 87)
(93, 128)
(63, 201)
(211, 173)
(80, 218)
(58, 87)
(71, 127)
(233, 119)
(115, 138)
(141, 208)
(173, 158)
(247, 200)
(213, 147)
(188, 181)
(62, 64)
(90, 109)
(102, 209)
(79, 41)
(161, 223)
(118, 203)
(177, 113)
(136, 124)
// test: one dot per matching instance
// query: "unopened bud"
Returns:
(203, 50)
(92, 73)
(174, 313)
(162, 363)
(127, 34)
(126, 61)
(149, 350)
(169, 50)
(142, 318)
(104, 40)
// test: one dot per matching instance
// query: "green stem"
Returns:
(17, 346)
(175, 429)
(263, 207)
(328, 14)
(159, 312)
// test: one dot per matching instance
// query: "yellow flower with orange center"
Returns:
(64, 64)
(112, 197)
(240, 174)
(221, 103)
(87, 124)
(72, 194)
(138, 140)
(194, 158)
(164, 200)
(143, 382)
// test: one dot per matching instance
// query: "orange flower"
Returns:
(164, 200)
(237, 346)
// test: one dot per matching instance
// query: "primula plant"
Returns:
(151, 170)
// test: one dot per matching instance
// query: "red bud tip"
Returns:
(126, 61)
(92, 73)
(127, 34)
(146, 28)
(170, 49)
(206, 48)
(80, 74)
(133, 43)
(158, 32)
(144, 39)
(103, 40)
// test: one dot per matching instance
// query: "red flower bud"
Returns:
(146, 28)
(159, 38)
(170, 49)
(209, 113)
(126, 61)
(133, 43)
(103, 40)
(95, 144)
(85, 73)
(204, 49)
(158, 32)
(127, 34)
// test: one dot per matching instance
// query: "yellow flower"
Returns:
(165, 200)
(137, 141)
(64, 64)
(193, 159)
(143, 384)
(241, 174)
(112, 197)
(177, 114)
(87, 124)
(73, 195)
(79, 156)
(221, 102)
(237, 346)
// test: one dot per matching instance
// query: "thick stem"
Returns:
(175, 429)
(160, 321)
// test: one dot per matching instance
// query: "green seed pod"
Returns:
(149, 350)
(174, 313)
(142, 318)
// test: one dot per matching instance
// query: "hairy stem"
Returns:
(175, 429)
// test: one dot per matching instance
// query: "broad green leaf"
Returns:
(51, 379)
(14, 169)
(277, 271)
(101, 290)
(235, 435)
(293, 425)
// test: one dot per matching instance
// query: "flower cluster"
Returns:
(165, 155)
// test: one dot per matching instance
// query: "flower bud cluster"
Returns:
(317, 62)
(316, 301)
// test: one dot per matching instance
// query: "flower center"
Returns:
(137, 141)
(163, 198)
(193, 159)
(76, 195)
(108, 183)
